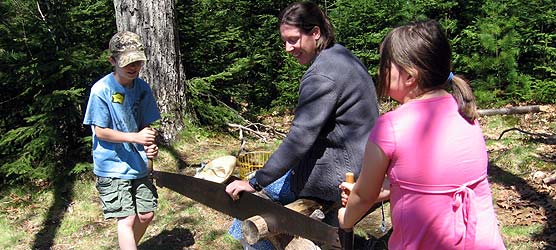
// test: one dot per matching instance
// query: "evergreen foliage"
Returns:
(49, 57)
(234, 57)
(51, 52)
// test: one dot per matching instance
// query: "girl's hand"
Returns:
(341, 213)
(346, 190)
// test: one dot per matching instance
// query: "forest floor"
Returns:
(67, 215)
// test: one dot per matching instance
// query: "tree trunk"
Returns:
(154, 22)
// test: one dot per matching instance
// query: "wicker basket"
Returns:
(250, 162)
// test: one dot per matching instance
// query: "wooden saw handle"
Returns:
(350, 177)
(346, 236)
(150, 167)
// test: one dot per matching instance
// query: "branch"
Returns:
(542, 135)
(241, 128)
(43, 18)
(513, 110)
(550, 179)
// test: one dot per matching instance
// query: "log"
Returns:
(550, 179)
(513, 110)
(256, 228)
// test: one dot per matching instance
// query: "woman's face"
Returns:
(302, 46)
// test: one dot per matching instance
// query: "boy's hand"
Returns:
(146, 136)
(152, 151)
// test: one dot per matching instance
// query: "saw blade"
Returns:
(279, 218)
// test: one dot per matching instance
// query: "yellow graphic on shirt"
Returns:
(118, 98)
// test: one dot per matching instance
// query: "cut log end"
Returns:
(257, 228)
(254, 229)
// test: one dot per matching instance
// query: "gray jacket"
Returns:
(336, 110)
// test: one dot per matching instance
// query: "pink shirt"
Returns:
(440, 196)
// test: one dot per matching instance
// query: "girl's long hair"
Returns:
(422, 49)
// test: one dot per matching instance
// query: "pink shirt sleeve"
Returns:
(383, 135)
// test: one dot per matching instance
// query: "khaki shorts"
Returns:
(123, 198)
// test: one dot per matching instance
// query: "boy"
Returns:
(120, 109)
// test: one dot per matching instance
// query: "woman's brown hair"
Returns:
(306, 16)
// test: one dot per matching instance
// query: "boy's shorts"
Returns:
(122, 198)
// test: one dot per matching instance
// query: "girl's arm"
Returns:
(367, 188)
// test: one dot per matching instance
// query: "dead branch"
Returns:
(513, 110)
(256, 129)
(542, 135)
(241, 128)
(550, 179)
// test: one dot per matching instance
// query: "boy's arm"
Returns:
(144, 137)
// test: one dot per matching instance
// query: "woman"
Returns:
(336, 110)
(431, 148)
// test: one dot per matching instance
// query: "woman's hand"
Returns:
(346, 188)
(236, 187)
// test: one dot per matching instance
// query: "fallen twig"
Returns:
(543, 135)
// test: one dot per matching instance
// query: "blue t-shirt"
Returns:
(113, 106)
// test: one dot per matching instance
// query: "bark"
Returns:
(155, 22)
(512, 110)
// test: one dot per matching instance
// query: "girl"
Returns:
(431, 149)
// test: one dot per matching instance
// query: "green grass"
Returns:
(522, 235)
(10, 235)
(181, 223)
(518, 231)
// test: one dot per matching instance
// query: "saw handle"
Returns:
(346, 236)
(350, 178)
(150, 167)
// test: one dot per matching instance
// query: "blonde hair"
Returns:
(422, 49)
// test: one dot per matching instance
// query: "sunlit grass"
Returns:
(518, 237)
(10, 235)
(529, 230)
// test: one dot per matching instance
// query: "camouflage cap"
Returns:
(126, 47)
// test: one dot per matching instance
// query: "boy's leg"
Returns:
(117, 202)
(146, 200)
(140, 225)
(126, 235)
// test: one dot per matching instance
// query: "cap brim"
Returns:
(132, 56)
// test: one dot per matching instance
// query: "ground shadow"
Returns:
(529, 192)
(177, 238)
(182, 162)
(532, 195)
(63, 196)
(371, 242)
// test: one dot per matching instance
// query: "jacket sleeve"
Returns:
(316, 104)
